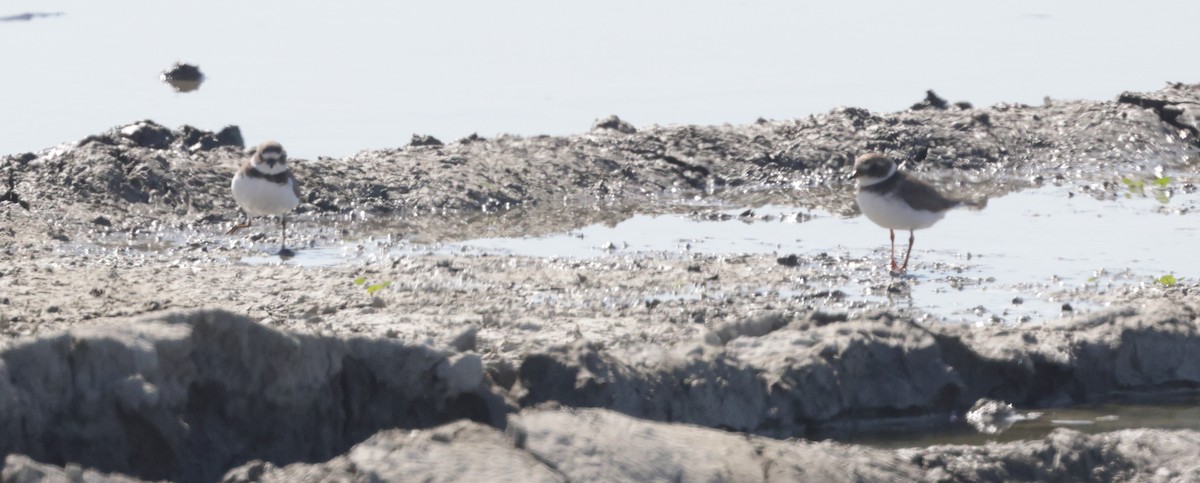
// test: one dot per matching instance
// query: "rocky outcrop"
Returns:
(187, 396)
(811, 377)
(599, 445)
(186, 170)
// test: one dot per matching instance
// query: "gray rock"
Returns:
(931, 101)
(595, 445)
(460, 451)
(419, 140)
(1068, 455)
(600, 445)
(991, 416)
(148, 134)
(815, 375)
(186, 396)
(613, 123)
(461, 373)
(23, 469)
(465, 340)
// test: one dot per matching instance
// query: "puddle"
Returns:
(1026, 257)
(1022, 258)
(1092, 419)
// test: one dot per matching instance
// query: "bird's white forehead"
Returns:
(269, 155)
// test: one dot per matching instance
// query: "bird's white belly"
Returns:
(894, 213)
(261, 197)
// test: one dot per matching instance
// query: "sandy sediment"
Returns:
(134, 344)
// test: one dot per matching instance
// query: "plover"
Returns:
(264, 186)
(896, 201)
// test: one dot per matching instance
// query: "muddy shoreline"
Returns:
(136, 341)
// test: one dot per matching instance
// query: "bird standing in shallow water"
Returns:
(264, 186)
(896, 201)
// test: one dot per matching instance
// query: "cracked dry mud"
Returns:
(137, 346)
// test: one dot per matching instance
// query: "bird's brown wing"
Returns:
(923, 197)
(295, 183)
(247, 167)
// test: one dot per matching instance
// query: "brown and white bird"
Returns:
(264, 186)
(896, 201)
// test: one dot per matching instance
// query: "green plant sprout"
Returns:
(372, 288)
(1158, 186)
(1167, 280)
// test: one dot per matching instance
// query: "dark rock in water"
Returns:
(182, 71)
(613, 123)
(183, 77)
(424, 140)
(932, 101)
(101, 221)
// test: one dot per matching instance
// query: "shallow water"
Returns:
(333, 79)
(1182, 414)
(1021, 259)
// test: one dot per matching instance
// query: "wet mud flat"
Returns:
(423, 332)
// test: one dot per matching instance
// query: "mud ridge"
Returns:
(816, 379)
(188, 396)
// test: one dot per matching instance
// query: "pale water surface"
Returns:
(332, 78)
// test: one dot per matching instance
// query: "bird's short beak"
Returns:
(271, 163)
(851, 176)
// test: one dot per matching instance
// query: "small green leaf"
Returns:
(1163, 181)
(1167, 280)
(1133, 183)
(1135, 186)
(360, 280)
(1091, 280)
(377, 287)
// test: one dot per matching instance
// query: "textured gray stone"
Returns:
(188, 395)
